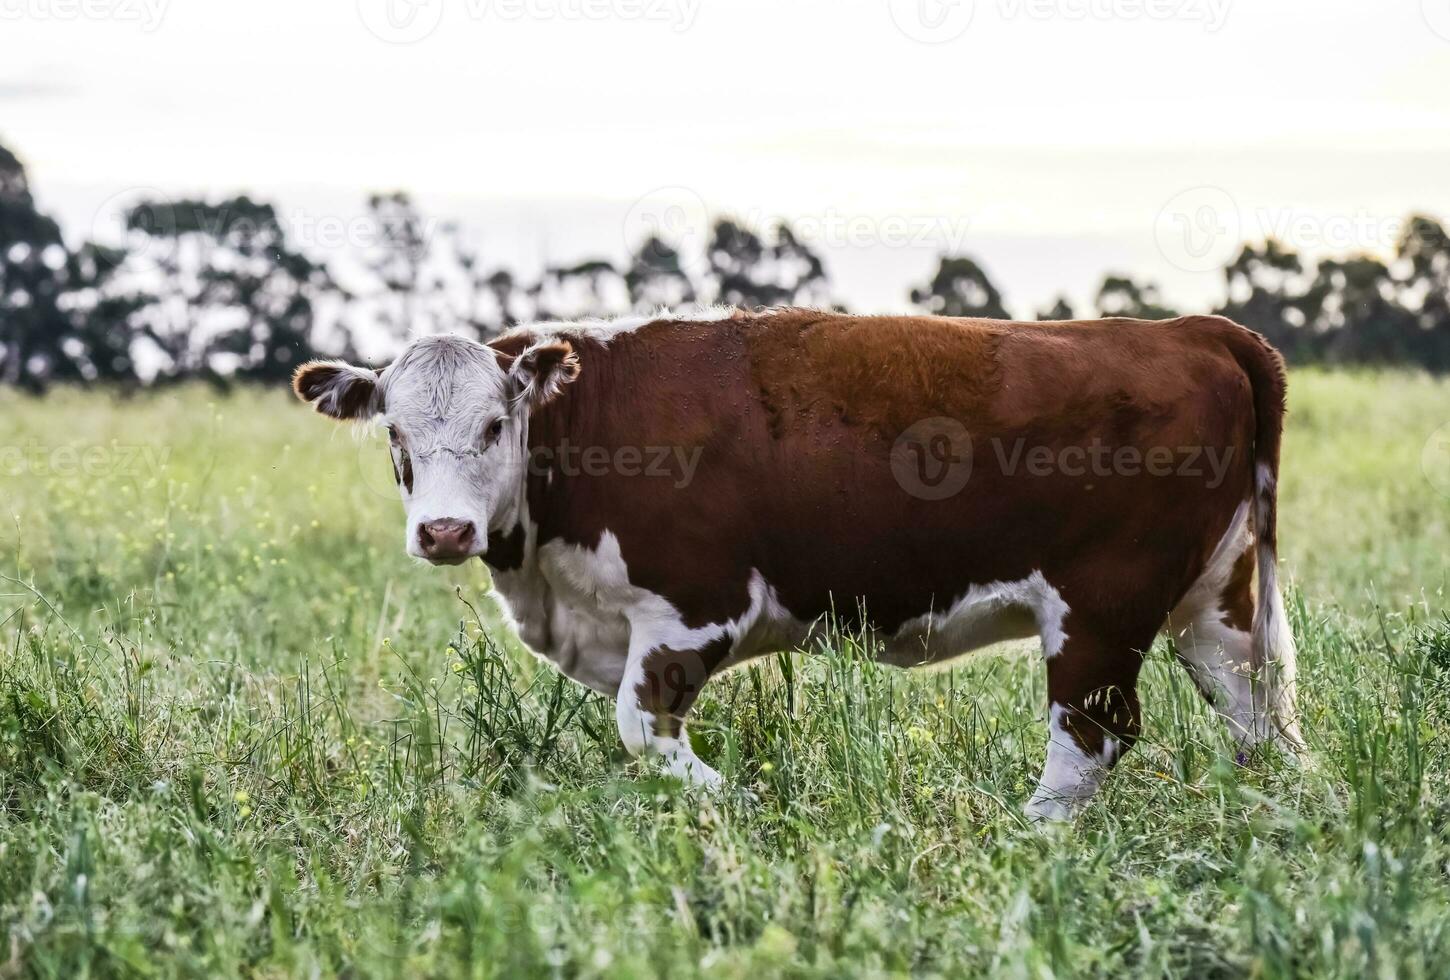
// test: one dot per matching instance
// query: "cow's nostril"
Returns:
(424, 538)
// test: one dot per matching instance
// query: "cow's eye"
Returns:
(495, 429)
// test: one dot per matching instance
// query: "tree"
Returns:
(1424, 250)
(506, 296)
(232, 297)
(1268, 291)
(778, 269)
(399, 253)
(59, 318)
(1061, 309)
(738, 259)
(1356, 315)
(656, 278)
(590, 289)
(799, 270)
(960, 288)
(1121, 296)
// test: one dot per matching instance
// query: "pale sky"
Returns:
(1052, 139)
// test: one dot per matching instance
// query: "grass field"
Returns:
(241, 732)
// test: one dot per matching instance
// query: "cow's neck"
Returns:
(528, 520)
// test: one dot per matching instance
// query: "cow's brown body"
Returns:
(796, 415)
(794, 512)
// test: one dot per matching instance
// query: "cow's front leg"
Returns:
(1092, 687)
(660, 686)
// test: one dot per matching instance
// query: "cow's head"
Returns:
(456, 414)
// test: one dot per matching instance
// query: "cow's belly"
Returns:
(578, 606)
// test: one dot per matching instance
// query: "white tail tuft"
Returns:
(1275, 657)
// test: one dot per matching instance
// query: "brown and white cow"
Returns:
(660, 499)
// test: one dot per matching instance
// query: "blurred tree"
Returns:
(231, 296)
(102, 317)
(397, 254)
(800, 270)
(506, 295)
(1268, 291)
(590, 289)
(738, 267)
(1061, 309)
(59, 319)
(656, 278)
(749, 271)
(1121, 296)
(1355, 313)
(1423, 250)
(33, 331)
(960, 288)
(217, 290)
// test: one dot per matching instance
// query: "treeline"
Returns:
(216, 290)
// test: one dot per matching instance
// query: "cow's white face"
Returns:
(457, 419)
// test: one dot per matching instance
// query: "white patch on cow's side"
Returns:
(603, 330)
(983, 615)
(1072, 774)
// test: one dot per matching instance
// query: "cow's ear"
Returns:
(338, 390)
(542, 371)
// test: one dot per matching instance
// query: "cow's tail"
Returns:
(1274, 655)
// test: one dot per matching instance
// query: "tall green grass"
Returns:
(241, 733)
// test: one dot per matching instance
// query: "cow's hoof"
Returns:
(1049, 811)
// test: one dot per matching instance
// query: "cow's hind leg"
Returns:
(1212, 634)
(1218, 656)
(1092, 690)
(660, 686)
